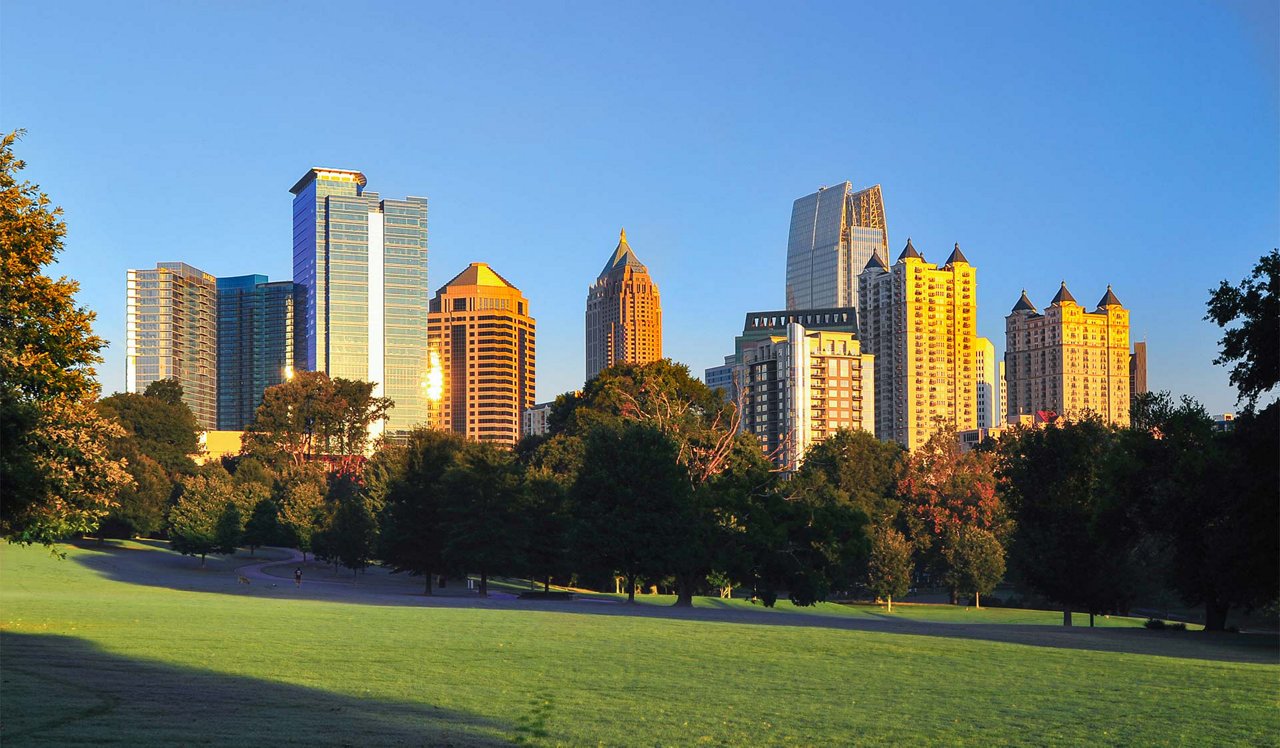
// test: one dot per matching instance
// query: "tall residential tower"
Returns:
(255, 344)
(171, 332)
(624, 313)
(834, 233)
(360, 270)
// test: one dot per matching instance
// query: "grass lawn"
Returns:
(191, 657)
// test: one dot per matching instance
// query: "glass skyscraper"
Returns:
(360, 272)
(834, 232)
(255, 344)
(171, 332)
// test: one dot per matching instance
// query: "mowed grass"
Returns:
(87, 659)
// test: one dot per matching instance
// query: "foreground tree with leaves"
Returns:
(312, 416)
(1250, 347)
(889, 567)
(412, 522)
(196, 520)
(56, 473)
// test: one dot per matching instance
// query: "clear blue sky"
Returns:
(1125, 143)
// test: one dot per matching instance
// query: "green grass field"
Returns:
(133, 644)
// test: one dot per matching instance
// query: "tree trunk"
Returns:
(484, 584)
(1091, 619)
(428, 578)
(1215, 615)
(684, 591)
(889, 603)
(252, 550)
(631, 589)
(546, 584)
(1066, 616)
(977, 601)
(444, 581)
(304, 557)
(201, 560)
(955, 599)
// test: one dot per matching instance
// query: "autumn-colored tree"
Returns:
(56, 472)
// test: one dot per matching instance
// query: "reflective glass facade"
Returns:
(171, 332)
(360, 272)
(255, 344)
(834, 232)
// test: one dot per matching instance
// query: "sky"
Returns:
(1132, 144)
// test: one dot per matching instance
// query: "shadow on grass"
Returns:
(60, 690)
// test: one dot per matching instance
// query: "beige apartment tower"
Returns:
(481, 356)
(1068, 360)
(171, 332)
(920, 322)
(624, 313)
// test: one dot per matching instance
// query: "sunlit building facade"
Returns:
(834, 233)
(171, 332)
(1138, 369)
(800, 387)
(920, 322)
(482, 345)
(360, 270)
(1068, 361)
(989, 384)
(624, 313)
(255, 344)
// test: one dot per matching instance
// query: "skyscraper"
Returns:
(834, 233)
(255, 344)
(989, 382)
(171, 332)
(1068, 361)
(624, 313)
(360, 271)
(919, 321)
(800, 387)
(482, 346)
(1138, 369)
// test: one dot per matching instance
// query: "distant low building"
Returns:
(533, 422)
(214, 445)
(1224, 422)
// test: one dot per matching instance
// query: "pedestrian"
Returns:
(297, 577)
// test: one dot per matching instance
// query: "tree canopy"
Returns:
(1250, 348)
(312, 416)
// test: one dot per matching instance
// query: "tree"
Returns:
(195, 518)
(313, 416)
(975, 561)
(165, 390)
(229, 531)
(352, 534)
(157, 426)
(412, 521)
(860, 468)
(141, 505)
(1251, 347)
(484, 530)
(55, 470)
(300, 495)
(889, 567)
(1073, 542)
(263, 527)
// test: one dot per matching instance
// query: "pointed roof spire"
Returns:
(909, 251)
(1024, 304)
(956, 256)
(1109, 299)
(1063, 295)
(623, 257)
(875, 263)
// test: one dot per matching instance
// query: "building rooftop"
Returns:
(1109, 299)
(478, 274)
(956, 256)
(1024, 304)
(1062, 296)
(318, 171)
(623, 257)
(909, 251)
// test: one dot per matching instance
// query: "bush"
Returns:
(1155, 624)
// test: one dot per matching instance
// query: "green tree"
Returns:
(1250, 348)
(860, 468)
(412, 520)
(484, 530)
(195, 515)
(313, 416)
(165, 390)
(229, 531)
(351, 535)
(56, 473)
(890, 566)
(263, 526)
(156, 426)
(141, 505)
(300, 495)
(975, 562)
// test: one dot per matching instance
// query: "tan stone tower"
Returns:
(920, 322)
(1068, 360)
(481, 350)
(624, 313)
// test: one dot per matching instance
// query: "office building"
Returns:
(1004, 394)
(721, 377)
(483, 340)
(255, 344)
(989, 384)
(1138, 369)
(800, 387)
(834, 233)
(624, 313)
(360, 272)
(171, 332)
(1068, 361)
(919, 321)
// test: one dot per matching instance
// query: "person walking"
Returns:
(297, 577)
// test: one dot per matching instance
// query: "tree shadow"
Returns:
(59, 690)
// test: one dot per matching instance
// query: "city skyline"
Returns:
(1051, 170)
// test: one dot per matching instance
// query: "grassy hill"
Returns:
(131, 643)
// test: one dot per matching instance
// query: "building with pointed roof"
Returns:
(624, 313)
(480, 356)
(919, 322)
(834, 233)
(1068, 360)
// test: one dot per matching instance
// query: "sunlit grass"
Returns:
(87, 659)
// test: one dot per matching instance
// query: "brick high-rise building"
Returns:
(624, 313)
(1068, 360)
(482, 347)
(920, 322)
(172, 333)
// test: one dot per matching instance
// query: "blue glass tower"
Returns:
(255, 344)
